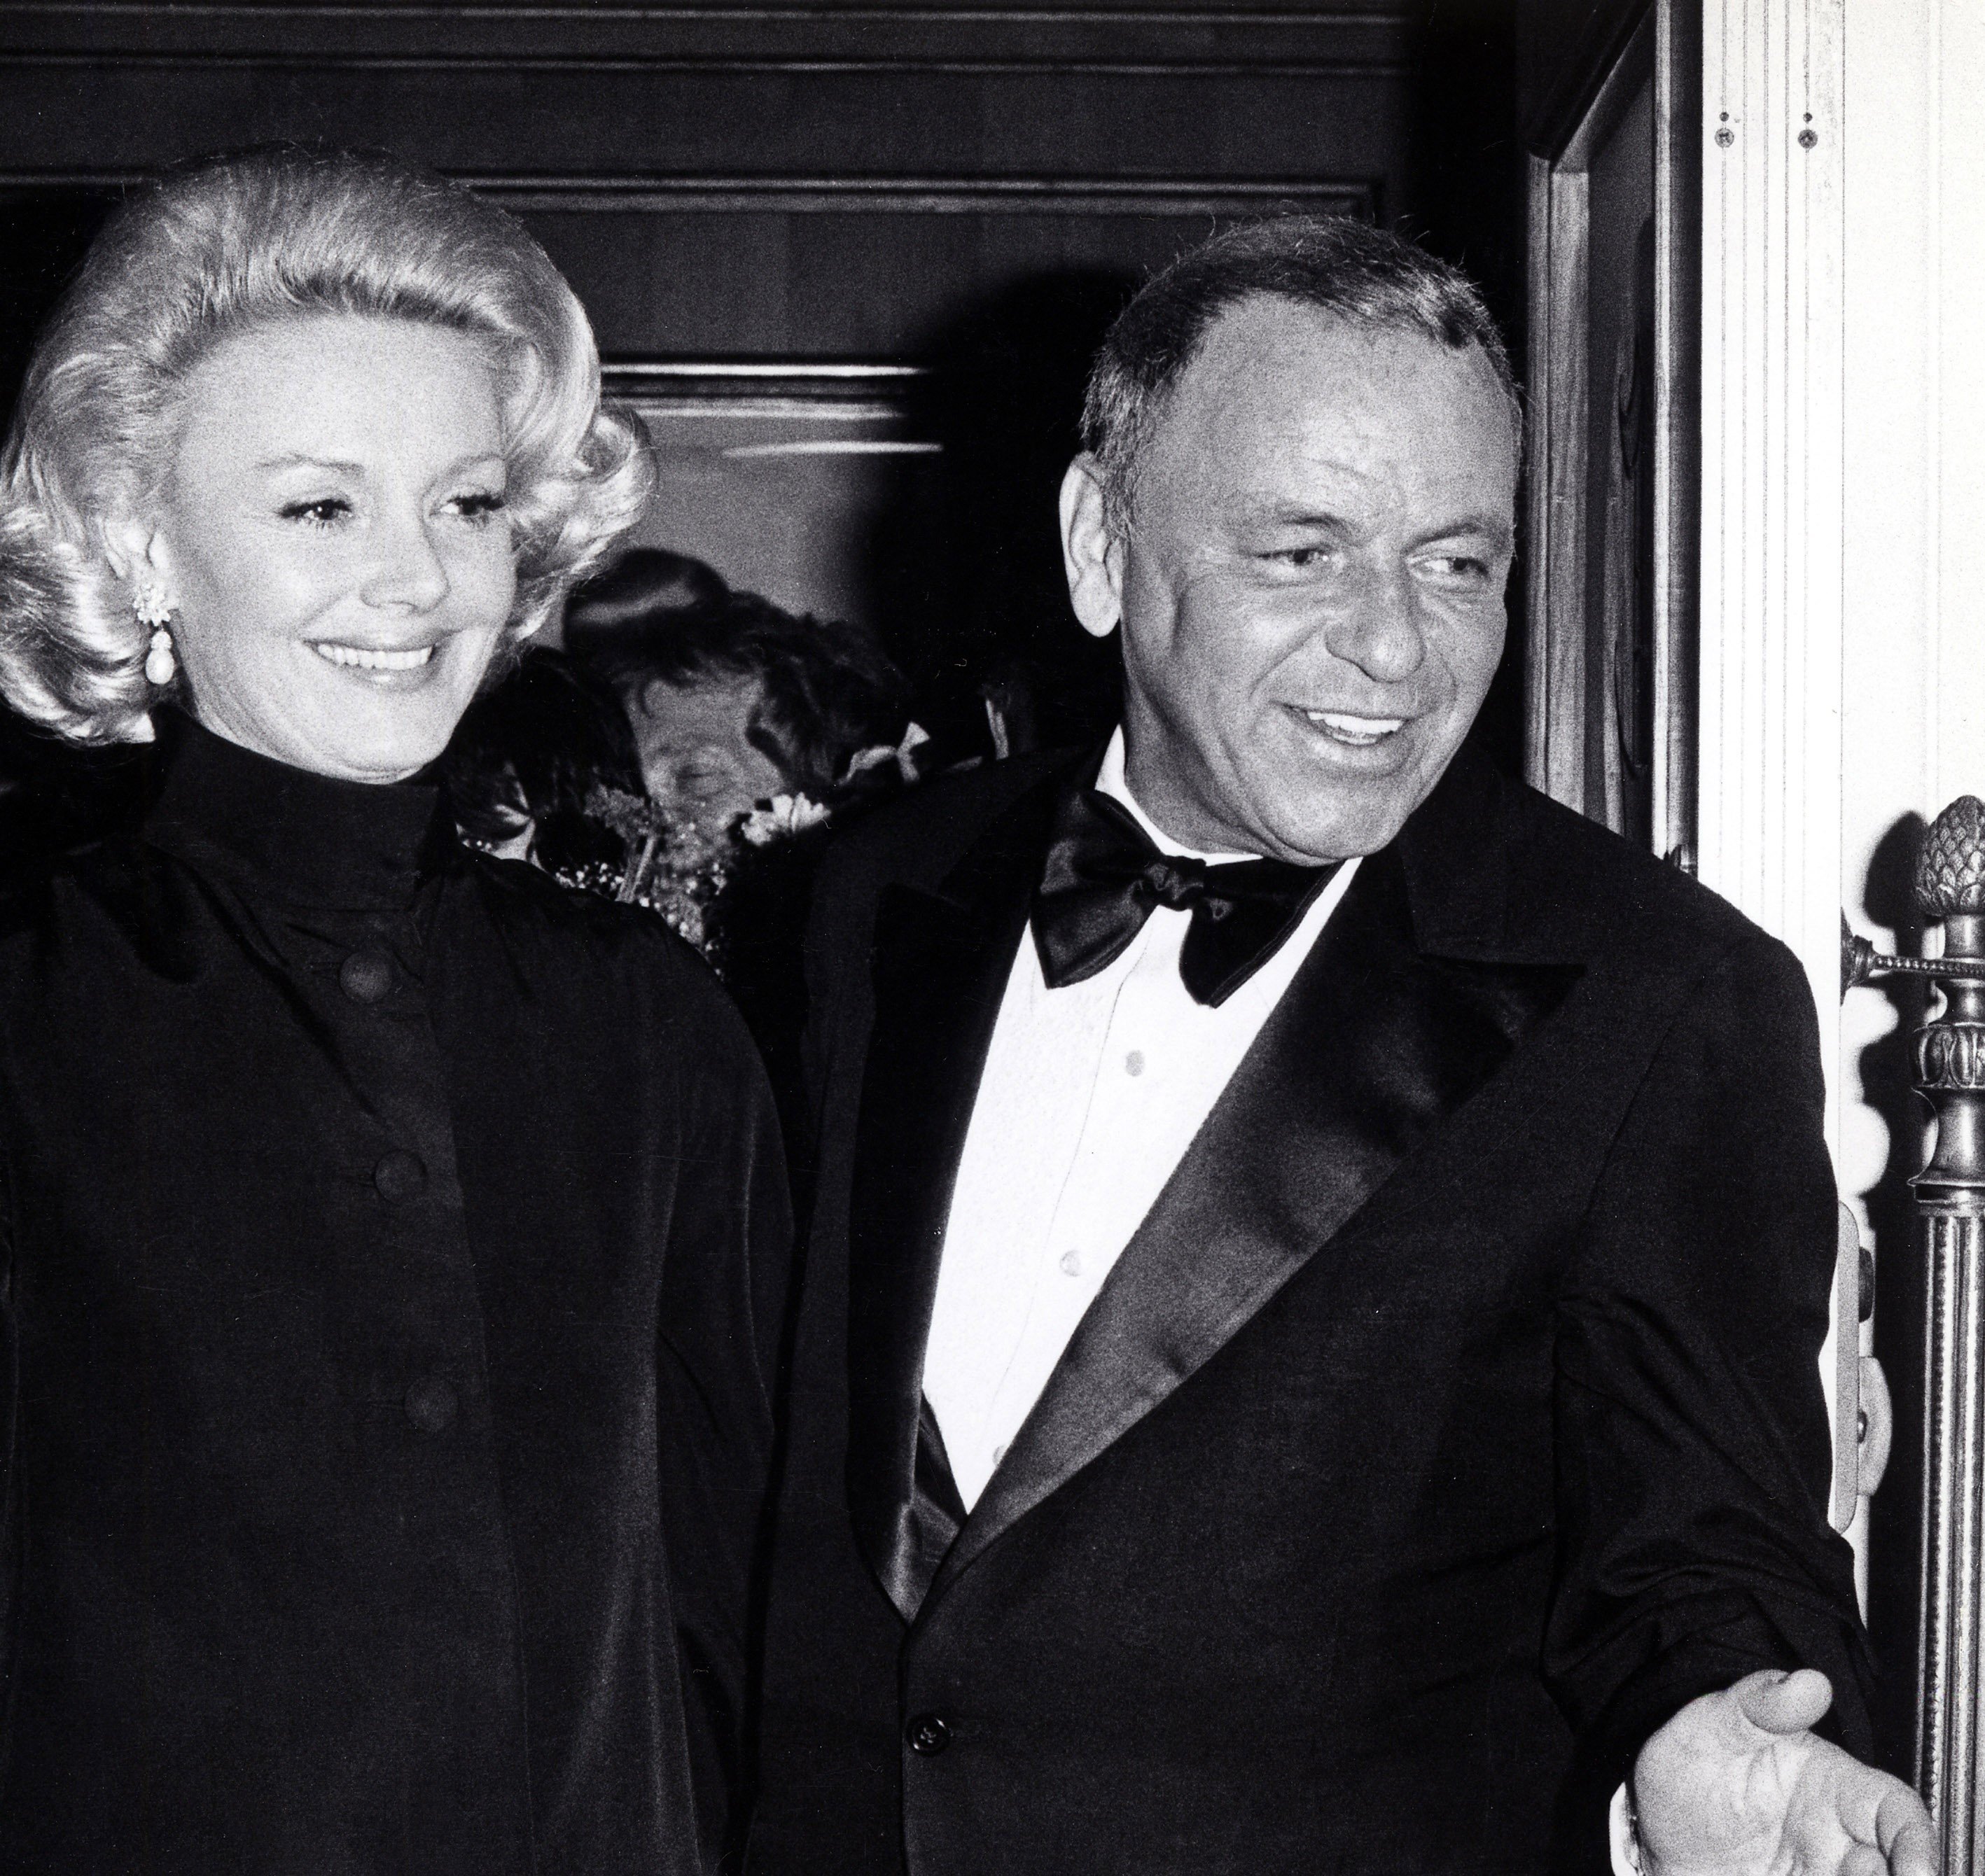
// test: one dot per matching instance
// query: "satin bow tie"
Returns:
(1104, 877)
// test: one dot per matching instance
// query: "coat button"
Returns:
(928, 1734)
(399, 1175)
(431, 1404)
(366, 976)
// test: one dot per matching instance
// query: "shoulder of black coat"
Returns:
(1599, 892)
(919, 836)
(576, 934)
(115, 871)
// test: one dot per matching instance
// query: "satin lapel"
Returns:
(941, 964)
(1373, 1047)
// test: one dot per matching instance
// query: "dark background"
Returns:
(973, 187)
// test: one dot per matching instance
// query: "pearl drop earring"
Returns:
(153, 608)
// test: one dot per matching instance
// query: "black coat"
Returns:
(1453, 1419)
(393, 1245)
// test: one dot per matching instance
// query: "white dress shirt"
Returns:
(1090, 1096)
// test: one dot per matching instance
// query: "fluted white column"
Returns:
(1771, 556)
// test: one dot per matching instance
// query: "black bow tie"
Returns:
(1104, 877)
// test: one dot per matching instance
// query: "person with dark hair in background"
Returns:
(758, 730)
(736, 701)
(528, 757)
(1307, 1357)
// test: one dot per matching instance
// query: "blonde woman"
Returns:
(391, 1241)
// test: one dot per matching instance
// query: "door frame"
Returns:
(1661, 40)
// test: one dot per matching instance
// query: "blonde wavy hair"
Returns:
(231, 243)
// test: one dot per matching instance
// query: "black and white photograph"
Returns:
(962, 938)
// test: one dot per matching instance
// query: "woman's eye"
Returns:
(480, 506)
(326, 511)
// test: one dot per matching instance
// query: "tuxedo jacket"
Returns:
(1453, 1419)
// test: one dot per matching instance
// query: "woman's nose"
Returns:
(409, 574)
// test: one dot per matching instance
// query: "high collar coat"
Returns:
(1452, 1417)
(393, 1252)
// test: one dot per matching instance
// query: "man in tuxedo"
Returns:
(1307, 1359)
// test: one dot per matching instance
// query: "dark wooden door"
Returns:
(852, 259)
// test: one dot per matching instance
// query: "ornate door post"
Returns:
(1949, 1056)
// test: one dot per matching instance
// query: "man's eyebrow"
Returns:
(1498, 528)
(1290, 514)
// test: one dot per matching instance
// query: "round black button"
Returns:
(431, 1404)
(366, 976)
(399, 1175)
(928, 1734)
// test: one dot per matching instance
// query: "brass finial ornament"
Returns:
(1948, 1051)
(1950, 876)
(1949, 888)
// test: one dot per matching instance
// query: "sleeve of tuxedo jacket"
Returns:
(1693, 1446)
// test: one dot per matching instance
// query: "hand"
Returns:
(1735, 1784)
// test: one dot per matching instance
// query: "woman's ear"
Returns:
(134, 551)
(1091, 555)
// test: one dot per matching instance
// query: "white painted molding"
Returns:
(1914, 645)
(1773, 154)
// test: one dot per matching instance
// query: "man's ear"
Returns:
(1091, 555)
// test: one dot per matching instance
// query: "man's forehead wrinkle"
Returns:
(1349, 511)
(1289, 419)
(1310, 478)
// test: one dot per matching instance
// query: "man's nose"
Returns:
(1379, 630)
(408, 574)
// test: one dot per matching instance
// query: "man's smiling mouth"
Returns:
(1354, 731)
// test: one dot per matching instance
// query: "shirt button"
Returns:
(1133, 1063)
(928, 1734)
(431, 1404)
(1071, 1262)
(366, 976)
(399, 1175)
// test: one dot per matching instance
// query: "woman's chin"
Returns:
(387, 731)
(384, 738)
(390, 749)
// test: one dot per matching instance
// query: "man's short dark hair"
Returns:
(825, 689)
(1359, 273)
(643, 582)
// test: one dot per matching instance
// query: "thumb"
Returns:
(1783, 1703)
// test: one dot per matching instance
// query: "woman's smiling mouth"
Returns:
(366, 658)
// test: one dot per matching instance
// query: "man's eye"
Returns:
(1461, 569)
(1300, 559)
(326, 511)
